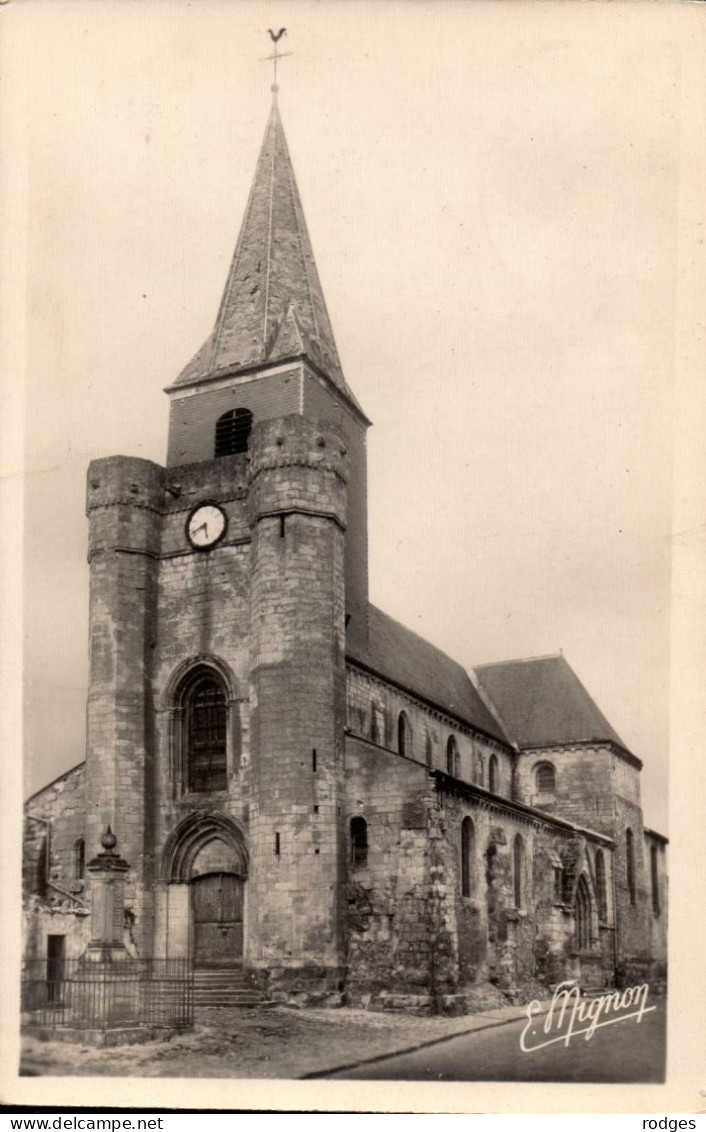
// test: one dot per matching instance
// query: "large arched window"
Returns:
(582, 912)
(404, 735)
(359, 843)
(518, 865)
(204, 741)
(545, 778)
(654, 871)
(233, 432)
(453, 760)
(493, 774)
(601, 890)
(468, 858)
(630, 864)
(79, 859)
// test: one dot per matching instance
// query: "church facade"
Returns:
(301, 787)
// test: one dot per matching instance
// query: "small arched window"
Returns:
(453, 760)
(429, 752)
(493, 774)
(654, 870)
(359, 843)
(601, 889)
(233, 432)
(204, 747)
(404, 735)
(79, 859)
(545, 778)
(468, 857)
(630, 864)
(518, 864)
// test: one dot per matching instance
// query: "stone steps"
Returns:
(225, 986)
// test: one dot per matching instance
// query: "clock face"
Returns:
(206, 526)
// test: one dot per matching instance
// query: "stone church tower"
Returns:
(222, 590)
(300, 786)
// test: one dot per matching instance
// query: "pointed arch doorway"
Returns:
(206, 860)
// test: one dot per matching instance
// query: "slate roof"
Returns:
(406, 659)
(273, 305)
(542, 702)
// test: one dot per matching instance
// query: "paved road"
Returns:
(623, 1052)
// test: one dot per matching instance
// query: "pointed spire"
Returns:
(273, 305)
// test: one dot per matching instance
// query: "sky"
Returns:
(492, 193)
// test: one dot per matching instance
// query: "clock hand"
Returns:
(203, 527)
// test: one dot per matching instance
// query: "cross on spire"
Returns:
(275, 56)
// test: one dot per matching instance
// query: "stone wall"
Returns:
(390, 940)
(368, 695)
(49, 853)
(658, 898)
(625, 779)
(494, 934)
(584, 787)
(422, 925)
(193, 411)
(39, 921)
(633, 907)
(279, 392)
(203, 610)
(497, 937)
(657, 914)
(320, 402)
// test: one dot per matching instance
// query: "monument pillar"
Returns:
(108, 875)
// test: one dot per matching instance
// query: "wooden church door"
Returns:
(217, 903)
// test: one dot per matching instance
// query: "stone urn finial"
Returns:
(109, 840)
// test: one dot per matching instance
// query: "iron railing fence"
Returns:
(96, 996)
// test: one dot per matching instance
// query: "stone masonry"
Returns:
(299, 785)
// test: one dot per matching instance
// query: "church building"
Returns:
(306, 794)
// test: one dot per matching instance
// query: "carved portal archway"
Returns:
(198, 837)
(206, 858)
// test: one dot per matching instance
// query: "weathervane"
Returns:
(275, 37)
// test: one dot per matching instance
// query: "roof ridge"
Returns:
(523, 660)
(491, 705)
